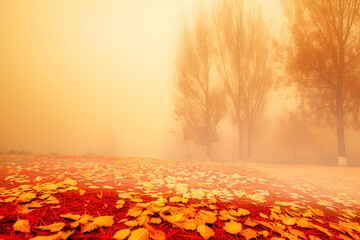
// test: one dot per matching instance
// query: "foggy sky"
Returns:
(94, 77)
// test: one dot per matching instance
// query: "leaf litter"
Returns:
(68, 197)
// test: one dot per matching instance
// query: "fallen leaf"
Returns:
(65, 235)
(89, 227)
(51, 237)
(289, 221)
(155, 220)
(55, 227)
(104, 221)
(248, 234)
(233, 227)
(22, 225)
(27, 197)
(122, 234)
(139, 234)
(250, 223)
(71, 216)
(205, 231)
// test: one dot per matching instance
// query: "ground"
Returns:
(87, 197)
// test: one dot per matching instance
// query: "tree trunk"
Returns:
(240, 141)
(249, 145)
(342, 161)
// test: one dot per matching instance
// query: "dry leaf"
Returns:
(69, 181)
(55, 227)
(139, 234)
(81, 192)
(51, 237)
(248, 234)
(89, 227)
(289, 221)
(22, 225)
(250, 223)
(189, 224)
(155, 220)
(131, 223)
(157, 235)
(71, 216)
(122, 234)
(298, 233)
(27, 197)
(134, 212)
(263, 215)
(243, 212)
(104, 221)
(205, 231)
(304, 223)
(65, 235)
(233, 227)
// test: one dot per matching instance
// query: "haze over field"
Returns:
(96, 77)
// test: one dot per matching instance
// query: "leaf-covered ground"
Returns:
(64, 197)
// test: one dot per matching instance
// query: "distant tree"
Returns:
(244, 62)
(293, 132)
(199, 97)
(322, 61)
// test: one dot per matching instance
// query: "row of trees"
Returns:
(225, 64)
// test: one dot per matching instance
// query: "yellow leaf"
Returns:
(122, 234)
(205, 231)
(89, 227)
(263, 215)
(175, 199)
(55, 227)
(22, 225)
(9, 199)
(289, 221)
(125, 196)
(69, 181)
(65, 235)
(250, 223)
(137, 200)
(248, 234)
(142, 220)
(157, 235)
(104, 221)
(233, 227)
(314, 238)
(120, 202)
(304, 223)
(134, 212)
(71, 216)
(243, 212)
(298, 233)
(81, 192)
(139, 234)
(189, 224)
(52, 200)
(155, 220)
(51, 237)
(131, 223)
(27, 197)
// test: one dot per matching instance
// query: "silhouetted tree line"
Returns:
(225, 64)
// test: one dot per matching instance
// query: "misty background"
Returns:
(91, 77)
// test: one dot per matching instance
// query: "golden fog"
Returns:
(95, 77)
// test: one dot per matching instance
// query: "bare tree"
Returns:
(199, 99)
(323, 60)
(244, 62)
